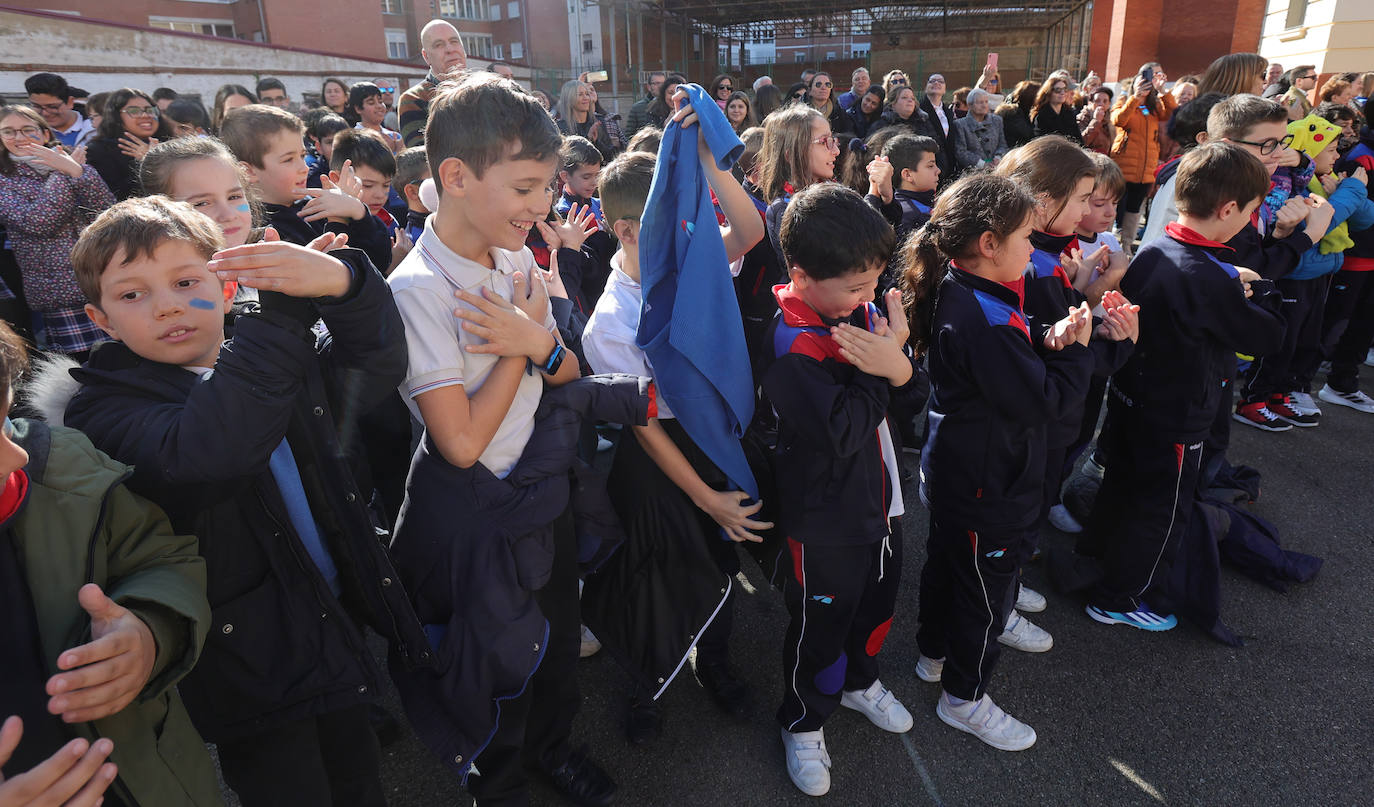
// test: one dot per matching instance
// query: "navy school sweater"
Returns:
(368, 234)
(1049, 296)
(992, 400)
(1194, 318)
(833, 487)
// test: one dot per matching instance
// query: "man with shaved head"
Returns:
(442, 49)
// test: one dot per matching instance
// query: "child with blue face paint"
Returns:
(201, 172)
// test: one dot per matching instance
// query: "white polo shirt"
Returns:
(423, 286)
(609, 336)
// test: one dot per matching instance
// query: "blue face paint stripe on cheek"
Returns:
(242, 208)
(204, 305)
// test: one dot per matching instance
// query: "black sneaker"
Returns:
(583, 781)
(729, 693)
(1256, 414)
(645, 721)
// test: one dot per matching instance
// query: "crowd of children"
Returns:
(303, 382)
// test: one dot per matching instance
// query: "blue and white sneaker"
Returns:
(1142, 618)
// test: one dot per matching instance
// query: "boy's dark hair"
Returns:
(1232, 118)
(577, 151)
(359, 93)
(412, 166)
(47, 84)
(648, 138)
(829, 231)
(135, 228)
(624, 185)
(1210, 176)
(245, 130)
(270, 83)
(1333, 112)
(14, 358)
(165, 94)
(363, 147)
(326, 126)
(1109, 176)
(483, 119)
(187, 111)
(1190, 120)
(905, 151)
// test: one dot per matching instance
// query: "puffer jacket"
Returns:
(44, 215)
(1136, 147)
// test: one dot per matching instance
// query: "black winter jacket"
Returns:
(833, 487)
(992, 399)
(1194, 318)
(1064, 122)
(281, 645)
(367, 234)
(949, 167)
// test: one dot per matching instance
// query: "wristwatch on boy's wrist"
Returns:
(555, 359)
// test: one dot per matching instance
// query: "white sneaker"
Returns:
(808, 763)
(1064, 521)
(881, 707)
(1369, 358)
(1356, 400)
(1304, 404)
(930, 669)
(590, 644)
(1022, 634)
(1030, 600)
(1093, 468)
(986, 721)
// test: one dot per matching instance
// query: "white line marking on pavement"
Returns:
(921, 770)
(1135, 779)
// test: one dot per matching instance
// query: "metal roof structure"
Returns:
(741, 18)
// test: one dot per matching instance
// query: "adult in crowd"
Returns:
(502, 69)
(1237, 73)
(797, 93)
(941, 117)
(893, 80)
(163, 97)
(51, 96)
(441, 48)
(390, 94)
(228, 98)
(761, 82)
(720, 89)
(767, 100)
(807, 75)
(95, 108)
(1297, 99)
(639, 110)
(1271, 78)
(272, 91)
(1084, 94)
(1337, 90)
(979, 139)
(867, 113)
(334, 95)
(739, 111)
(46, 199)
(1095, 121)
(960, 103)
(1139, 118)
(1183, 91)
(662, 107)
(859, 82)
(544, 100)
(990, 81)
(1053, 113)
(820, 94)
(131, 126)
(576, 114)
(903, 110)
(1016, 114)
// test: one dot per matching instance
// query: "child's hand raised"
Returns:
(553, 279)
(571, 232)
(346, 180)
(290, 269)
(878, 353)
(1319, 215)
(896, 321)
(1359, 175)
(330, 201)
(727, 508)
(1289, 217)
(103, 676)
(1076, 327)
(55, 158)
(1078, 267)
(1330, 182)
(131, 146)
(880, 178)
(1247, 276)
(1121, 320)
(506, 329)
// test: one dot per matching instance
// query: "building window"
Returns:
(224, 28)
(496, 11)
(478, 45)
(1297, 14)
(859, 53)
(830, 56)
(588, 45)
(799, 33)
(391, 7)
(800, 56)
(512, 10)
(464, 9)
(517, 50)
(696, 47)
(396, 44)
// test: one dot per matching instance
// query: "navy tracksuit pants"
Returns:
(841, 601)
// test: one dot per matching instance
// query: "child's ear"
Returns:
(626, 231)
(798, 276)
(988, 245)
(103, 322)
(249, 170)
(334, 177)
(231, 288)
(562, 177)
(451, 176)
(1228, 210)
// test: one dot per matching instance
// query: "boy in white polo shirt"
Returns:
(483, 344)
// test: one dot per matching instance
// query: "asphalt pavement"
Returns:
(1123, 717)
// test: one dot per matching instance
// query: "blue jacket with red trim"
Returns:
(1194, 317)
(1360, 258)
(992, 399)
(833, 488)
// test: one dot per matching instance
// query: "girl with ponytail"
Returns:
(994, 390)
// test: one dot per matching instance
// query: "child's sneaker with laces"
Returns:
(808, 763)
(1284, 409)
(880, 706)
(1029, 601)
(986, 721)
(930, 669)
(1142, 618)
(1256, 414)
(1305, 403)
(1356, 400)
(1022, 634)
